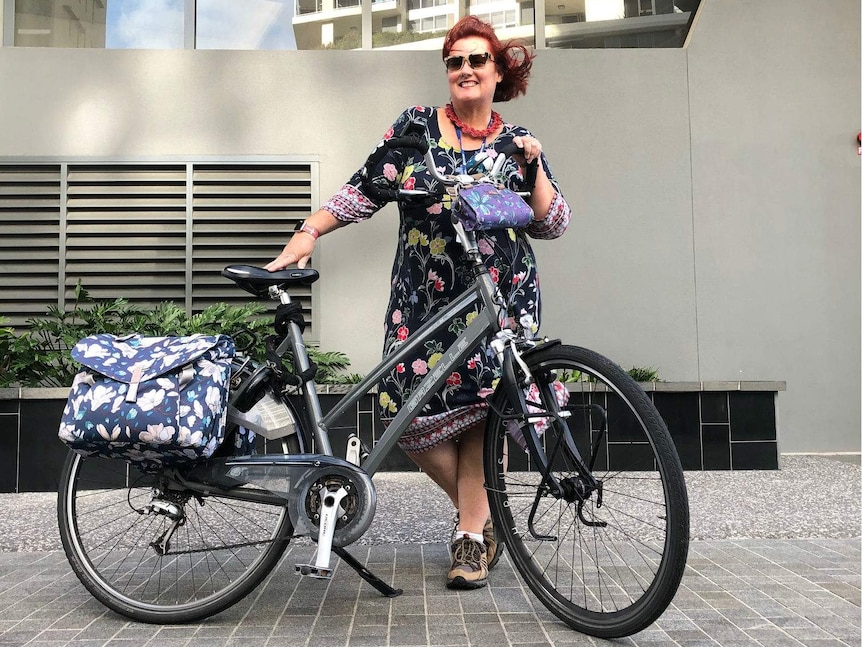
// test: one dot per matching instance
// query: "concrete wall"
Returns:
(716, 189)
(774, 92)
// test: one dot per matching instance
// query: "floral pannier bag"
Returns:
(151, 401)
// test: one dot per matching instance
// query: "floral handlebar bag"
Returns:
(151, 401)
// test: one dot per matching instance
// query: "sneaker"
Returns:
(494, 549)
(469, 565)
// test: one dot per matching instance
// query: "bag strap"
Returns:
(137, 374)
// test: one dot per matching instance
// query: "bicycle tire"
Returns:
(222, 552)
(610, 581)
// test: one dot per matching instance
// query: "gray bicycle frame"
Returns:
(486, 323)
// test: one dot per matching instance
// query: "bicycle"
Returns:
(593, 509)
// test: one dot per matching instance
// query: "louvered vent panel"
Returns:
(244, 214)
(126, 232)
(29, 240)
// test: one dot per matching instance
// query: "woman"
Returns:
(429, 269)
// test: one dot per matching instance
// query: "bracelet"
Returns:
(308, 229)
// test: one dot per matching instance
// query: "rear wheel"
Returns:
(159, 555)
(605, 556)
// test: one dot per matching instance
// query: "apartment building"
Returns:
(353, 24)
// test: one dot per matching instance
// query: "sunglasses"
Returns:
(455, 63)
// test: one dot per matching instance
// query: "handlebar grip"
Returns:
(531, 174)
(532, 170)
(415, 140)
(419, 142)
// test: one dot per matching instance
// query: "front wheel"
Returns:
(161, 555)
(604, 554)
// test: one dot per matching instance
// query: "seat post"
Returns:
(296, 344)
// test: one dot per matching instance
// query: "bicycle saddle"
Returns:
(257, 280)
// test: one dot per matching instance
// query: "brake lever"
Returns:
(481, 161)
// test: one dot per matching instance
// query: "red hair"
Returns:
(513, 60)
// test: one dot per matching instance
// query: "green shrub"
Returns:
(40, 355)
(639, 374)
(7, 353)
(644, 374)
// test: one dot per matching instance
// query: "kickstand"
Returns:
(365, 574)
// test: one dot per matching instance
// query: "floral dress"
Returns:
(430, 269)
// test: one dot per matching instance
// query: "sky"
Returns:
(221, 24)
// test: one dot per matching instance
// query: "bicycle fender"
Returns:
(550, 343)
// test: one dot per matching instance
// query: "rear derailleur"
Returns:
(172, 506)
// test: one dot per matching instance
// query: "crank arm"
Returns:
(328, 518)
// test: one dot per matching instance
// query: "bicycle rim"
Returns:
(612, 567)
(222, 550)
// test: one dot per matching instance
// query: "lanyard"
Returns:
(463, 167)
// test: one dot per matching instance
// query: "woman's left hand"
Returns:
(530, 146)
(543, 192)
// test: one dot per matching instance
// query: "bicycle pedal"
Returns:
(314, 571)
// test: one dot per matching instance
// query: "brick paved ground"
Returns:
(774, 562)
(735, 593)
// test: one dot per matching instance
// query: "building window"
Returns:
(145, 232)
(428, 25)
(425, 4)
(646, 7)
(498, 19)
(307, 6)
(391, 24)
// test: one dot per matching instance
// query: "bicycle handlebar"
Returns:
(419, 142)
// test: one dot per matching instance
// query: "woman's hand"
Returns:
(300, 246)
(297, 251)
(543, 192)
(530, 146)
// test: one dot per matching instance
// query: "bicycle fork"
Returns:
(572, 489)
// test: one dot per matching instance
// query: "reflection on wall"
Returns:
(72, 23)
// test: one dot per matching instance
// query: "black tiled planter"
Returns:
(732, 425)
(716, 426)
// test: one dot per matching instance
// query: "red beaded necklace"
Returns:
(496, 122)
